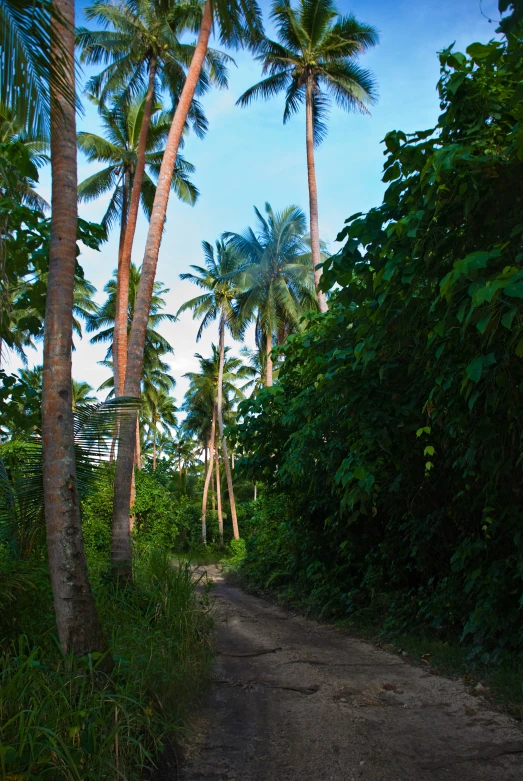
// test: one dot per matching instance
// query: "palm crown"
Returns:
(118, 149)
(142, 34)
(316, 46)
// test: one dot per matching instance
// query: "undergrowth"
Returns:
(62, 718)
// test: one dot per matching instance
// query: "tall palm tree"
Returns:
(203, 395)
(140, 46)
(77, 621)
(314, 61)
(237, 22)
(217, 302)
(275, 276)
(118, 149)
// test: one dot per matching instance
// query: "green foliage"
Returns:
(61, 718)
(395, 428)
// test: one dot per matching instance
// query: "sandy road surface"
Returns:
(328, 706)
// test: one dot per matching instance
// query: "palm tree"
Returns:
(238, 22)
(24, 42)
(77, 621)
(118, 149)
(313, 62)
(275, 276)
(81, 394)
(140, 46)
(217, 302)
(203, 397)
(160, 409)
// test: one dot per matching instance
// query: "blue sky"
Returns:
(250, 157)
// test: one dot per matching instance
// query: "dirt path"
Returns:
(328, 706)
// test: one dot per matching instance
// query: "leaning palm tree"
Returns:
(314, 61)
(237, 22)
(217, 302)
(275, 276)
(139, 44)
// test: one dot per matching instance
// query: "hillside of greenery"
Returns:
(392, 442)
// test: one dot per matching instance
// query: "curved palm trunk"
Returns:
(124, 464)
(208, 478)
(124, 264)
(268, 369)
(219, 496)
(138, 458)
(236, 533)
(123, 227)
(313, 198)
(78, 626)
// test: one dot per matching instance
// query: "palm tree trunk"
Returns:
(213, 482)
(76, 618)
(124, 265)
(219, 496)
(124, 464)
(123, 226)
(268, 369)
(236, 533)
(208, 476)
(138, 458)
(255, 491)
(154, 450)
(313, 198)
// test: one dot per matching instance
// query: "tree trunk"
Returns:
(124, 464)
(138, 457)
(219, 405)
(268, 369)
(124, 265)
(76, 618)
(154, 450)
(255, 491)
(313, 198)
(213, 482)
(123, 226)
(208, 476)
(219, 496)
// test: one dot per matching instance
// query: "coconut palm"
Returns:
(118, 149)
(202, 396)
(81, 394)
(314, 62)
(78, 626)
(160, 410)
(25, 44)
(236, 22)
(215, 278)
(140, 46)
(275, 276)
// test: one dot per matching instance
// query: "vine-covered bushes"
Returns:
(395, 429)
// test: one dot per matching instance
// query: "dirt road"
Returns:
(323, 705)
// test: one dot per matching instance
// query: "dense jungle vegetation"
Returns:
(361, 458)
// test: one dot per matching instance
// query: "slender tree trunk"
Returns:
(76, 619)
(124, 464)
(138, 457)
(313, 197)
(219, 495)
(268, 369)
(208, 476)
(213, 482)
(123, 226)
(154, 450)
(124, 265)
(236, 533)
(255, 491)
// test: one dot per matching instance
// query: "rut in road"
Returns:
(328, 706)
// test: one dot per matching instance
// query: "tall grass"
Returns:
(63, 719)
